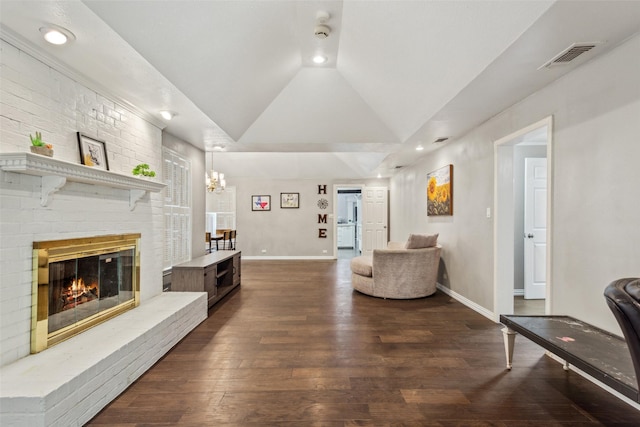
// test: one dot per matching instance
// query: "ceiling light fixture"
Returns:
(56, 35)
(419, 148)
(214, 181)
(319, 59)
(167, 115)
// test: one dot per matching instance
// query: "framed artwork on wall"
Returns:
(289, 200)
(260, 203)
(440, 191)
(93, 152)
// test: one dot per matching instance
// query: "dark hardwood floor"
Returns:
(295, 346)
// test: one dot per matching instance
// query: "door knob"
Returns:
(529, 236)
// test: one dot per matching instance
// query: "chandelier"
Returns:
(214, 180)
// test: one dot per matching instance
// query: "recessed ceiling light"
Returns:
(167, 115)
(419, 148)
(56, 35)
(379, 175)
(319, 59)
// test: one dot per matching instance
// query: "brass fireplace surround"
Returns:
(47, 252)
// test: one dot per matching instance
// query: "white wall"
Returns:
(35, 97)
(286, 233)
(596, 226)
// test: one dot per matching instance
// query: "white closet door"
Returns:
(375, 219)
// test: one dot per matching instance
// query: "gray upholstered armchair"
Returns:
(397, 272)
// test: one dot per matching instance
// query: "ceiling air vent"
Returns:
(569, 54)
(441, 139)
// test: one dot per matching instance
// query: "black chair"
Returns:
(207, 238)
(623, 298)
(230, 237)
(232, 240)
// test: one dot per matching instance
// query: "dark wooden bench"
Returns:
(600, 354)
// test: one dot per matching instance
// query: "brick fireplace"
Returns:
(45, 200)
(83, 203)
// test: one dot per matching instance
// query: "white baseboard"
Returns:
(472, 305)
(288, 258)
(580, 372)
(518, 292)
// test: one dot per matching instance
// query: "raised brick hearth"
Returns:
(99, 364)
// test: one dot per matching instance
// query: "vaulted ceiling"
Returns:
(398, 74)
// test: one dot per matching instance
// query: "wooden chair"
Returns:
(232, 239)
(229, 240)
(207, 238)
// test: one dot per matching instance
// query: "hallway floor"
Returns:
(529, 307)
(347, 253)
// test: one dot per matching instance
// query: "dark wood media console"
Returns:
(217, 274)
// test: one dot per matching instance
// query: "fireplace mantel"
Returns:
(56, 173)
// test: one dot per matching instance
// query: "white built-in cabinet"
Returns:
(346, 236)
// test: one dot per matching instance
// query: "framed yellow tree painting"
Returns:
(440, 191)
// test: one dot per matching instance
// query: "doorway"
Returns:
(348, 221)
(510, 236)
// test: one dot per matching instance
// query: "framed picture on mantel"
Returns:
(93, 152)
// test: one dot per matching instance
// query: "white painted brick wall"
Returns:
(36, 97)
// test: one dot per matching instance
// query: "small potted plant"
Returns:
(39, 147)
(143, 169)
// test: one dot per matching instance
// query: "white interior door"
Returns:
(374, 218)
(535, 228)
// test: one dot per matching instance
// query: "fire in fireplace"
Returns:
(79, 283)
(71, 296)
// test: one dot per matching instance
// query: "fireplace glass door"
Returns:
(79, 283)
(82, 287)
